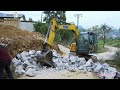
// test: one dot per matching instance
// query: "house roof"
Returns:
(3, 15)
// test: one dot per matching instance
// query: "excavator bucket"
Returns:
(45, 58)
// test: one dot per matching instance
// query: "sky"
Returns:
(88, 19)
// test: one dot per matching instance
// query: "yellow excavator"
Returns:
(86, 42)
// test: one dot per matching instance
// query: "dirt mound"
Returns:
(21, 40)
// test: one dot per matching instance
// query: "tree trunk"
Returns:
(104, 38)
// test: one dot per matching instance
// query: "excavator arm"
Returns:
(54, 27)
(47, 55)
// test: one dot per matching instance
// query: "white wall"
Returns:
(27, 26)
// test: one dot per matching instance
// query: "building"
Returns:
(17, 20)
(27, 25)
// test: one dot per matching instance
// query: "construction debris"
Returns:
(26, 64)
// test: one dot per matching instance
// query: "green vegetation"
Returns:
(100, 47)
(113, 42)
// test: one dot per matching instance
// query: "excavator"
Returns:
(85, 42)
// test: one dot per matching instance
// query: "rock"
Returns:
(98, 68)
(19, 70)
(55, 54)
(71, 69)
(18, 56)
(16, 63)
(25, 58)
(38, 52)
(24, 54)
(14, 60)
(81, 67)
(33, 67)
(105, 65)
(108, 74)
(84, 69)
(94, 65)
(94, 58)
(89, 69)
(111, 69)
(118, 75)
(31, 72)
(34, 59)
(82, 61)
(31, 52)
(26, 63)
(89, 63)
(32, 56)
(34, 63)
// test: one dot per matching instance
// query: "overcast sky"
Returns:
(88, 19)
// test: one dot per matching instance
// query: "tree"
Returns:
(57, 14)
(61, 35)
(30, 19)
(105, 29)
(41, 27)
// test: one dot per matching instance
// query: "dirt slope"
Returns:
(21, 39)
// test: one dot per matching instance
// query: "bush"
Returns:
(117, 58)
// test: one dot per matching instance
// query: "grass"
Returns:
(100, 47)
(115, 42)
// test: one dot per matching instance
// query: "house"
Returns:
(17, 20)
(7, 16)
(27, 25)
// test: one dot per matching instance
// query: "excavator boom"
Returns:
(46, 52)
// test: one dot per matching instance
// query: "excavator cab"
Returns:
(87, 43)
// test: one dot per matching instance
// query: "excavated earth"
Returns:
(21, 40)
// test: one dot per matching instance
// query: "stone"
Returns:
(118, 75)
(33, 67)
(31, 52)
(25, 58)
(98, 68)
(26, 63)
(89, 63)
(105, 66)
(71, 69)
(31, 72)
(14, 60)
(82, 61)
(16, 63)
(18, 56)
(37, 52)
(19, 70)
(81, 67)
(24, 54)
(94, 58)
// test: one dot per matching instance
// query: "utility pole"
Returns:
(41, 16)
(78, 15)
